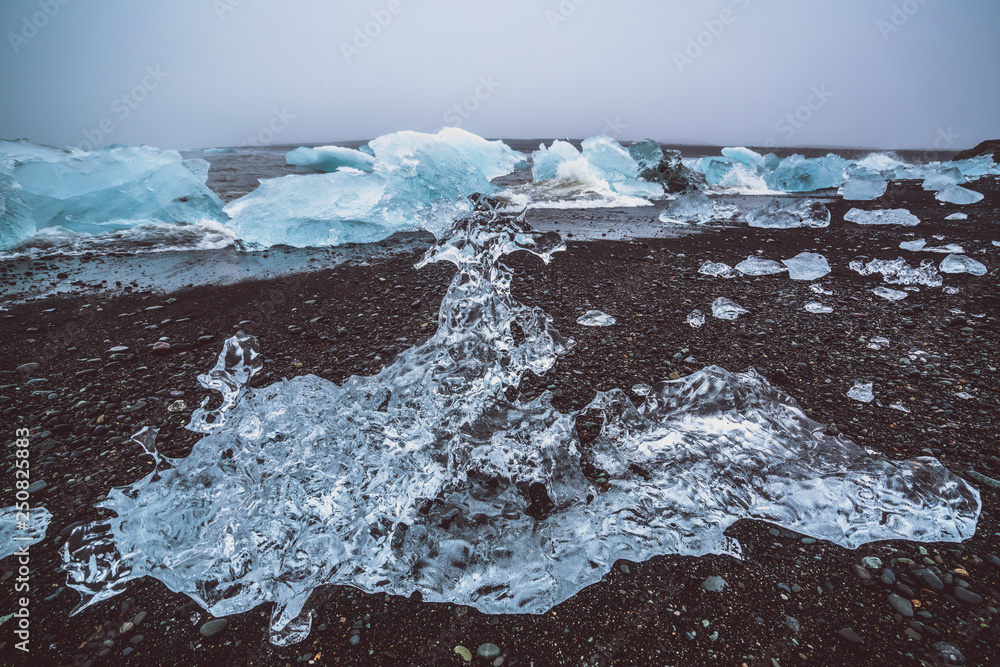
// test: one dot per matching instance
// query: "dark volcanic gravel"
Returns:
(793, 600)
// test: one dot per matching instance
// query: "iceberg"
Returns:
(604, 168)
(717, 269)
(669, 171)
(817, 307)
(695, 318)
(418, 180)
(888, 216)
(13, 536)
(962, 264)
(16, 223)
(596, 318)
(807, 266)
(330, 158)
(112, 188)
(789, 214)
(435, 476)
(861, 391)
(799, 174)
(647, 155)
(898, 272)
(726, 309)
(755, 266)
(956, 194)
(693, 207)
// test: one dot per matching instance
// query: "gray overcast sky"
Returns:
(198, 73)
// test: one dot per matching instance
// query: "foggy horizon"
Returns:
(905, 74)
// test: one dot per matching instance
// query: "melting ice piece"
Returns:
(788, 214)
(819, 290)
(877, 342)
(888, 293)
(16, 532)
(817, 307)
(595, 318)
(861, 391)
(807, 266)
(641, 389)
(669, 171)
(888, 216)
(915, 245)
(921, 246)
(16, 223)
(962, 264)
(429, 477)
(798, 174)
(755, 266)
(958, 216)
(745, 155)
(879, 162)
(330, 158)
(899, 406)
(725, 309)
(691, 207)
(956, 194)
(940, 181)
(717, 269)
(695, 318)
(862, 185)
(898, 272)
(112, 188)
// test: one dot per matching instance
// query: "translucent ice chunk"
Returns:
(877, 342)
(717, 269)
(330, 158)
(595, 318)
(110, 189)
(940, 181)
(879, 162)
(695, 318)
(670, 172)
(861, 391)
(647, 154)
(888, 293)
(921, 246)
(915, 245)
(435, 476)
(790, 213)
(899, 406)
(956, 194)
(898, 272)
(962, 264)
(862, 185)
(725, 309)
(798, 174)
(745, 155)
(694, 207)
(641, 389)
(817, 307)
(22, 529)
(807, 266)
(957, 216)
(888, 216)
(16, 223)
(755, 266)
(820, 290)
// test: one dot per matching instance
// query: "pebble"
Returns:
(850, 635)
(465, 653)
(929, 578)
(488, 651)
(213, 627)
(966, 595)
(901, 605)
(871, 562)
(713, 584)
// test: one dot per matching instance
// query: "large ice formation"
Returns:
(435, 476)
(664, 167)
(799, 174)
(15, 215)
(110, 189)
(330, 158)
(419, 181)
(790, 213)
(604, 168)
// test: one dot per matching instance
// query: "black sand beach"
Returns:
(792, 600)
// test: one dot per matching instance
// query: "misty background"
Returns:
(201, 73)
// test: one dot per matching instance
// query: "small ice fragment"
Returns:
(724, 309)
(877, 342)
(888, 216)
(819, 290)
(888, 293)
(595, 318)
(717, 269)
(14, 534)
(962, 264)
(755, 266)
(641, 389)
(807, 266)
(692, 207)
(900, 407)
(788, 214)
(956, 194)
(695, 318)
(920, 245)
(958, 216)
(898, 272)
(861, 391)
(996, 243)
(915, 245)
(817, 307)
(964, 395)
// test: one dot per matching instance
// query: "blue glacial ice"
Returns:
(603, 169)
(430, 477)
(16, 223)
(942, 179)
(734, 170)
(790, 213)
(799, 174)
(888, 216)
(863, 185)
(418, 181)
(750, 158)
(330, 158)
(111, 189)
(693, 207)
(956, 194)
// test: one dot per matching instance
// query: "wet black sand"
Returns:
(651, 613)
